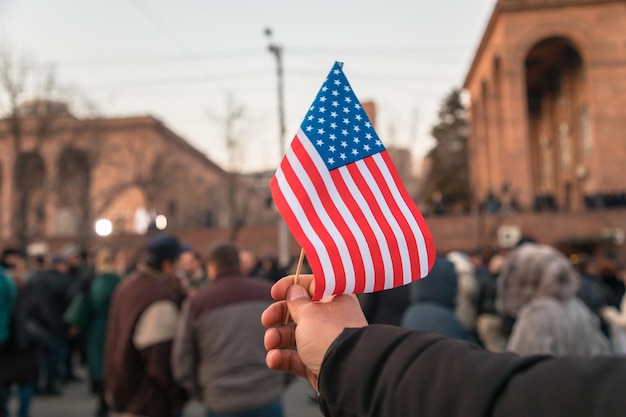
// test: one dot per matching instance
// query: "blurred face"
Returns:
(170, 268)
(247, 262)
(18, 268)
(61, 267)
(73, 260)
(211, 270)
(189, 263)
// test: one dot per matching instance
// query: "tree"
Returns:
(35, 108)
(447, 181)
(232, 125)
(20, 77)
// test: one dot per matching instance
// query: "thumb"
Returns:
(297, 297)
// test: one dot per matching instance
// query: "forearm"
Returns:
(384, 370)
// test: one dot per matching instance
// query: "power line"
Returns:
(159, 59)
(189, 56)
(163, 27)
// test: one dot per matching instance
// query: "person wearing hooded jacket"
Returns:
(380, 370)
(433, 302)
(537, 287)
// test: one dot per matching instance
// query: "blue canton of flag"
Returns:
(337, 124)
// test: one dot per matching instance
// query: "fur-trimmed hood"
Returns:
(534, 271)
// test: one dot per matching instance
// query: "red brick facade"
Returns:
(548, 100)
(83, 170)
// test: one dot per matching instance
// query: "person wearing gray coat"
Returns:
(537, 287)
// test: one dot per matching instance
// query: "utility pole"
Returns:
(283, 231)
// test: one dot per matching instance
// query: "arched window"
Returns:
(557, 118)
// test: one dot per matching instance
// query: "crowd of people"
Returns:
(528, 300)
(519, 333)
(178, 325)
(173, 325)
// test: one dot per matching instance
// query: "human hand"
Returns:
(314, 326)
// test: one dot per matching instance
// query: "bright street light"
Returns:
(160, 222)
(104, 227)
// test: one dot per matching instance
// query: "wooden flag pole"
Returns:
(295, 280)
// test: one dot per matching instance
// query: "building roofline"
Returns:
(483, 44)
(503, 6)
(124, 122)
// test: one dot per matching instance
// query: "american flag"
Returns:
(344, 202)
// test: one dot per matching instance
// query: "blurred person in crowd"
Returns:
(466, 306)
(591, 291)
(378, 370)
(94, 318)
(143, 315)
(537, 286)
(81, 272)
(433, 303)
(250, 264)
(386, 307)
(192, 268)
(218, 353)
(492, 327)
(617, 319)
(270, 268)
(37, 264)
(20, 361)
(8, 294)
(53, 287)
(608, 272)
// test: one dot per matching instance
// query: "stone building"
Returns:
(59, 174)
(548, 104)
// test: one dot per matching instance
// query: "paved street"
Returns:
(77, 402)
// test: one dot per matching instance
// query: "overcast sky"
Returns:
(178, 60)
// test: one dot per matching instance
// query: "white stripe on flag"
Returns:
(391, 220)
(410, 218)
(335, 197)
(300, 215)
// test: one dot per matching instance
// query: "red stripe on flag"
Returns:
(365, 188)
(356, 257)
(357, 211)
(428, 240)
(301, 237)
(328, 240)
(407, 231)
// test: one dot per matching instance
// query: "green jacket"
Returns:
(8, 294)
(99, 299)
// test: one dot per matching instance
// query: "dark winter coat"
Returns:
(53, 288)
(433, 303)
(394, 372)
(20, 361)
(142, 323)
(385, 307)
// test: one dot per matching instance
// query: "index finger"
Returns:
(279, 290)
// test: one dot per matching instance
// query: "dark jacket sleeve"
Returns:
(390, 371)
